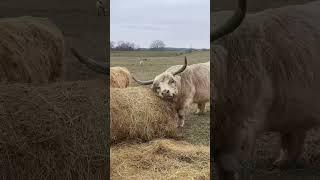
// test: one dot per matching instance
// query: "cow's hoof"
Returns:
(180, 133)
(181, 125)
(199, 113)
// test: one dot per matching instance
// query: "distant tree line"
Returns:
(123, 46)
(130, 46)
(156, 45)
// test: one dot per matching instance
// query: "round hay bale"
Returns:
(160, 159)
(119, 77)
(31, 50)
(55, 131)
(137, 113)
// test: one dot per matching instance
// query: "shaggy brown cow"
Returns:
(31, 50)
(266, 78)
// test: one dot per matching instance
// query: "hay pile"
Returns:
(136, 113)
(31, 50)
(119, 77)
(160, 159)
(56, 131)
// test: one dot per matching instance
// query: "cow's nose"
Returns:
(165, 92)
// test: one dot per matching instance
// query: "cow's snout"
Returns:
(165, 92)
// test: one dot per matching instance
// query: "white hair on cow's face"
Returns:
(166, 85)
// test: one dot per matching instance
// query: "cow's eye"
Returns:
(171, 81)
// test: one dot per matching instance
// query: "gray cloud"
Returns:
(179, 23)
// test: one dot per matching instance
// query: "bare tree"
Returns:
(112, 44)
(126, 46)
(157, 44)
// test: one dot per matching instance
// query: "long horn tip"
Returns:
(74, 51)
(133, 77)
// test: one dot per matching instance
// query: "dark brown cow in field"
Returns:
(266, 78)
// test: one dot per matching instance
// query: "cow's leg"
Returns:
(182, 117)
(291, 149)
(201, 108)
(182, 113)
(227, 167)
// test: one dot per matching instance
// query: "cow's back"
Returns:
(200, 79)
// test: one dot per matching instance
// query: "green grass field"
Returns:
(144, 53)
(197, 127)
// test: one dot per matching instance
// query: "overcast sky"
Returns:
(179, 23)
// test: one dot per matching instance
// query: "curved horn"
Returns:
(232, 23)
(90, 63)
(182, 68)
(142, 82)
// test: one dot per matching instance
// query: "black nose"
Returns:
(165, 92)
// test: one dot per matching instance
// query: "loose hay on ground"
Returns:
(55, 131)
(160, 159)
(31, 50)
(136, 113)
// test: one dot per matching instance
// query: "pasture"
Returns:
(197, 127)
(190, 158)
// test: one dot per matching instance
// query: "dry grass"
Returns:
(119, 77)
(55, 131)
(31, 50)
(137, 114)
(160, 159)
